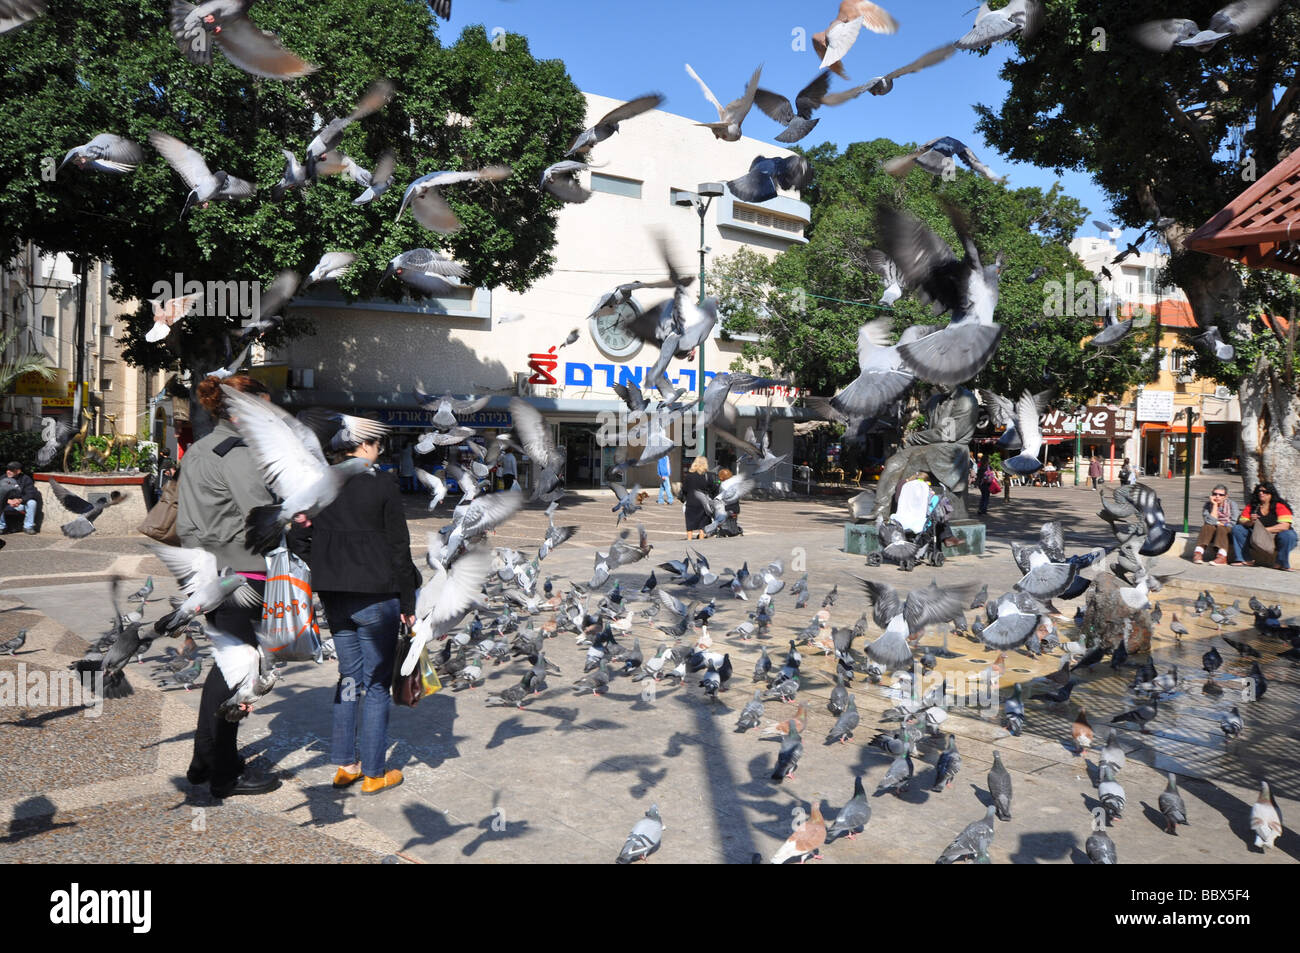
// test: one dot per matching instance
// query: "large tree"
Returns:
(1175, 136)
(112, 66)
(807, 304)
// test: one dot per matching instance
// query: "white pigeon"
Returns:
(1265, 818)
(430, 209)
(727, 128)
(166, 313)
(205, 185)
(444, 599)
(289, 455)
(106, 153)
(1028, 409)
(1018, 16)
(331, 267)
(1233, 20)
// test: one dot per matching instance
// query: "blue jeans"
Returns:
(364, 626)
(1284, 541)
(665, 490)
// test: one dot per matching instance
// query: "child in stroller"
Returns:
(918, 529)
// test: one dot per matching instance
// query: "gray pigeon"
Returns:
(205, 185)
(843, 730)
(839, 697)
(972, 843)
(1236, 18)
(752, 715)
(87, 511)
(1000, 787)
(946, 768)
(787, 760)
(1100, 848)
(899, 773)
(1172, 806)
(105, 153)
(854, 816)
(1111, 792)
(608, 123)
(11, 646)
(645, 837)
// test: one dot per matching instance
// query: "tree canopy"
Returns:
(113, 66)
(808, 303)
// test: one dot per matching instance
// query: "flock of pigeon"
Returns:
(478, 606)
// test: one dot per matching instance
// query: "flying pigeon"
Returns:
(766, 175)
(1018, 16)
(797, 119)
(936, 158)
(205, 185)
(323, 157)
(331, 267)
(105, 153)
(881, 85)
(430, 209)
(377, 180)
(87, 511)
(836, 40)
(424, 270)
(225, 23)
(15, 14)
(1236, 18)
(608, 124)
(561, 181)
(727, 127)
(166, 313)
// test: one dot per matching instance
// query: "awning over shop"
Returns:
(1176, 428)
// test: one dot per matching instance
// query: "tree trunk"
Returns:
(1269, 412)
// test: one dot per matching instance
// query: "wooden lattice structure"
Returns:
(1260, 227)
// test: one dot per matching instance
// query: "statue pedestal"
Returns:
(120, 519)
(861, 539)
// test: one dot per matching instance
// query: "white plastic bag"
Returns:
(289, 630)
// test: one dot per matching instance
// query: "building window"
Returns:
(614, 185)
(107, 330)
(47, 325)
(105, 385)
(745, 213)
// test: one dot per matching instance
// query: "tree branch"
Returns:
(1283, 108)
(1188, 126)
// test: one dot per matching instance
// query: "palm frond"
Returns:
(29, 363)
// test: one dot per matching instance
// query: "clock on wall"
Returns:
(611, 336)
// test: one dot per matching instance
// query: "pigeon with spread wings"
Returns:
(430, 209)
(727, 128)
(225, 24)
(87, 511)
(608, 123)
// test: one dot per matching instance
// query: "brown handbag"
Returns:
(160, 522)
(1262, 540)
(407, 689)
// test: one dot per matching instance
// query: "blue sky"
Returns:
(622, 49)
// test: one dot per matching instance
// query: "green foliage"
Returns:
(113, 66)
(20, 446)
(24, 363)
(124, 458)
(1173, 134)
(808, 303)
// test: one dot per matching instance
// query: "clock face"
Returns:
(610, 335)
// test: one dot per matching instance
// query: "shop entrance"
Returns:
(584, 465)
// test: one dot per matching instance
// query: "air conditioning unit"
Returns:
(1222, 393)
(522, 387)
(302, 378)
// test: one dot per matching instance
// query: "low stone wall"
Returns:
(120, 519)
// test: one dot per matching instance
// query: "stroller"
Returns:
(911, 535)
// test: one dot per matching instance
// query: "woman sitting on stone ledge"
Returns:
(1272, 513)
(1219, 515)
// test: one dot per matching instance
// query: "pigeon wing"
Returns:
(186, 161)
(259, 52)
(285, 448)
(70, 501)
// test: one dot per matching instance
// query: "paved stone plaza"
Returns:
(567, 777)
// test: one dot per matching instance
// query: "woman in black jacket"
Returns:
(360, 558)
(698, 515)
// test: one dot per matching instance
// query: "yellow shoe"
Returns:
(345, 778)
(374, 785)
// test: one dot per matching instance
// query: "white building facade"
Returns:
(369, 356)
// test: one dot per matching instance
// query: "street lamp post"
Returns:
(1078, 446)
(708, 191)
(1187, 470)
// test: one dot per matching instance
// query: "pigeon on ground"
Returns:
(205, 185)
(1232, 725)
(1100, 848)
(854, 816)
(946, 768)
(1172, 806)
(805, 840)
(844, 725)
(1265, 818)
(645, 837)
(1142, 715)
(225, 24)
(973, 842)
(900, 773)
(1000, 787)
(1113, 753)
(787, 760)
(87, 511)
(11, 646)
(1110, 792)
(752, 714)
